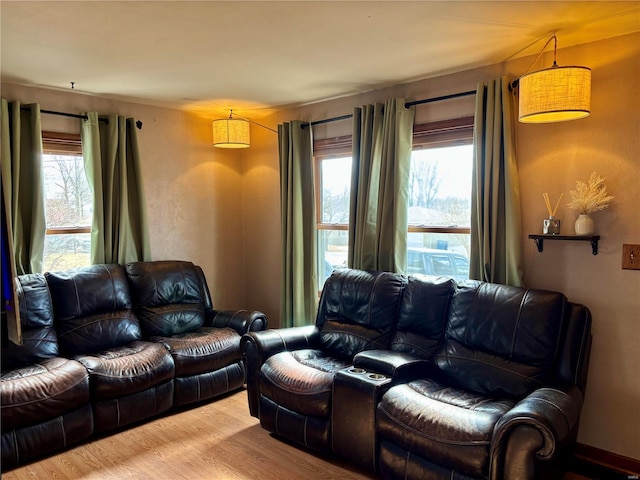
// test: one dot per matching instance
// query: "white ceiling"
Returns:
(209, 56)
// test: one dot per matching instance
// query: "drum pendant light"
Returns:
(554, 94)
(231, 133)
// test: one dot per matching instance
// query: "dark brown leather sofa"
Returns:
(425, 378)
(107, 346)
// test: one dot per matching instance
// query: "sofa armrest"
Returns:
(391, 363)
(278, 340)
(536, 428)
(257, 347)
(242, 321)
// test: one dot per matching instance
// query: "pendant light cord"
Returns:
(252, 122)
(555, 48)
(553, 37)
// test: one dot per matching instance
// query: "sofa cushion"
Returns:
(122, 371)
(423, 315)
(205, 350)
(501, 340)
(168, 296)
(301, 381)
(88, 290)
(347, 339)
(92, 309)
(39, 392)
(438, 422)
(39, 340)
(357, 310)
(96, 333)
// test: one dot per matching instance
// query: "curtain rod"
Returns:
(406, 105)
(75, 115)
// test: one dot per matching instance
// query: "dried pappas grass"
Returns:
(591, 196)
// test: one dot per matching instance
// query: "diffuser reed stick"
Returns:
(552, 213)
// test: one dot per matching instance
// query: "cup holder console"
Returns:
(362, 371)
(356, 394)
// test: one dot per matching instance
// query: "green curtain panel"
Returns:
(495, 201)
(382, 139)
(23, 183)
(119, 229)
(299, 290)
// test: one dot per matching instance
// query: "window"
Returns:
(68, 203)
(438, 239)
(440, 196)
(333, 184)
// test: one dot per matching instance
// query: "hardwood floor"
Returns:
(219, 440)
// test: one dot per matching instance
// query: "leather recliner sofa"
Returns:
(425, 378)
(107, 346)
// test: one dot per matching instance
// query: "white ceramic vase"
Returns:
(584, 225)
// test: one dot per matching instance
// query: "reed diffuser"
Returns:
(551, 226)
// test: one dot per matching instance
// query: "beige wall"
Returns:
(550, 159)
(221, 209)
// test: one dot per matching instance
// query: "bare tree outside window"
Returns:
(69, 196)
(424, 183)
(335, 206)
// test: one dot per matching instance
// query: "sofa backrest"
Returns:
(92, 309)
(358, 310)
(501, 340)
(168, 297)
(423, 315)
(39, 340)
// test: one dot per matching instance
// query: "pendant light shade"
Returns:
(231, 133)
(555, 94)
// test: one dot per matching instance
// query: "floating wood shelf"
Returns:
(593, 239)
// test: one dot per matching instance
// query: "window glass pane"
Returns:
(440, 186)
(62, 252)
(440, 196)
(67, 194)
(68, 203)
(335, 185)
(332, 252)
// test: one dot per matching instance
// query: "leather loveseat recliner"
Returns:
(106, 346)
(468, 381)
